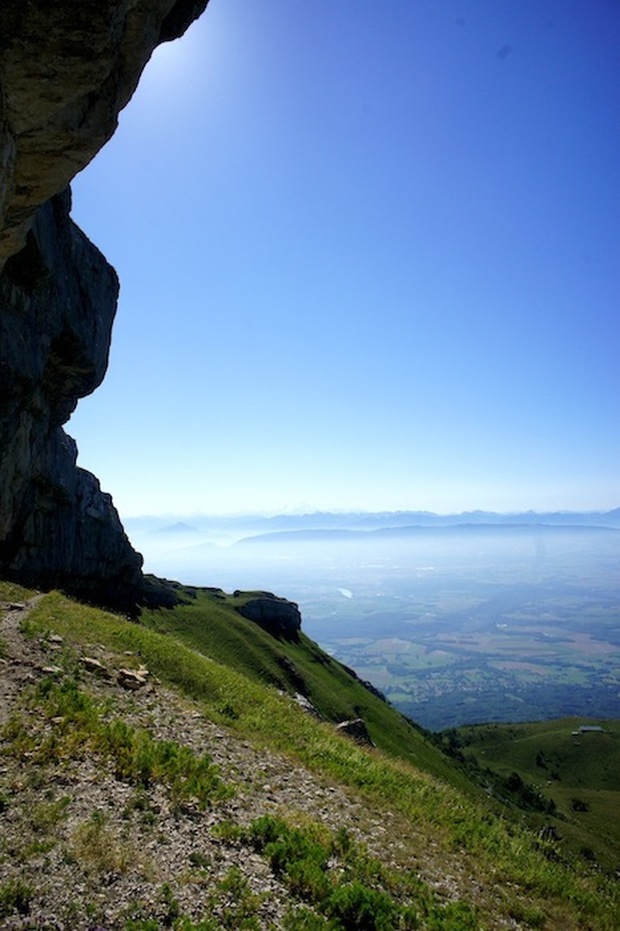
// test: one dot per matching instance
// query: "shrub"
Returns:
(351, 889)
(577, 804)
(358, 908)
(235, 904)
(15, 896)
(137, 757)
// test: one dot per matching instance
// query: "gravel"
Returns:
(95, 851)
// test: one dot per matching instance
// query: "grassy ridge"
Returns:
(517, 875)
(581, 774)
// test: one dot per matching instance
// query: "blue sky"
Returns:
(370, 258)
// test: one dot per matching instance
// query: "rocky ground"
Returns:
(94, 852)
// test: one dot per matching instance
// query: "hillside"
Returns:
(201, 795)
(210, 622)
(575, 769)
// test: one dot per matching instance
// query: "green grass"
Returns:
(580, 775)
(100, 850)
(80, 725)
(210, 624)
(11, 592)
(15, 896)
(519, 875)
(350, 888)
(230, 905)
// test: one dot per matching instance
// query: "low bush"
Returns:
(351, 890)
(15, 896)
(80, 724)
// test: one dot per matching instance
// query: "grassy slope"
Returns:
(515, 875)
(210, 624)
(564, 768)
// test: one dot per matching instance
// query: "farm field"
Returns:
(487, 653)
(454, 625)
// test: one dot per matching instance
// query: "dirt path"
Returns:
(17, 663)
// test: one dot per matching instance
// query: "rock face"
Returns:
(277, 616)
(57, 529)
(66, 70)
(357, 731)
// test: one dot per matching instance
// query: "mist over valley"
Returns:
(457, 620)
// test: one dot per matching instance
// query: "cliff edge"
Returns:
(66, 70)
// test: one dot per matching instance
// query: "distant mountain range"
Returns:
(437, 531)
(354, 522)
(360, 520)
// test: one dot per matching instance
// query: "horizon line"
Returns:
(268, 514)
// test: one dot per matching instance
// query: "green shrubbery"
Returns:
(350, 889)
(15, 896)
(80, 723)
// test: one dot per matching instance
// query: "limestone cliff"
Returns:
(276, 615)
(66, 70)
